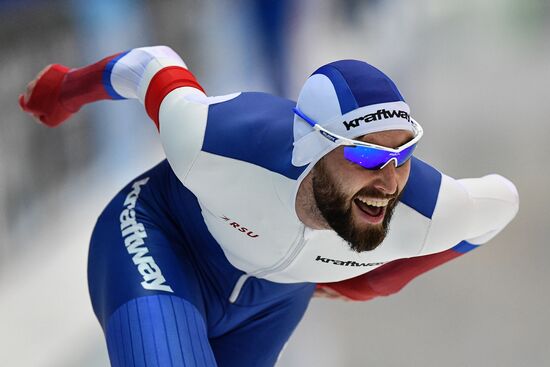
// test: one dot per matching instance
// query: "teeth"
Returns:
(374, 202)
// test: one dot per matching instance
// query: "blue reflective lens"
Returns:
(372, 158)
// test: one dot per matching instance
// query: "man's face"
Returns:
(358, 203)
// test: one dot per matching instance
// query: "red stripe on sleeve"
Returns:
(162, 83)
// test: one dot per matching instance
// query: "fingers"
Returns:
(28, 91)
(40, 73)
(22, 102)
(26, 97)
(41, 97)
(329, 294)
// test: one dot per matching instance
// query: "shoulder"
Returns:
(253, 127)
(253, 113)
(422, 189)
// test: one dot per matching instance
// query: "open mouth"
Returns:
(371, 210)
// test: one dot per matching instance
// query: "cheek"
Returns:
(347, 184)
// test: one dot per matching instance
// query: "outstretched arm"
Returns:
(474, 209)
(156, 76)
(147, 74)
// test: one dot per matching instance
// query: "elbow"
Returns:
(510, 196)
(163, 53)
(498, 207)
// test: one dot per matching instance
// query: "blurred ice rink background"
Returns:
(476, 74)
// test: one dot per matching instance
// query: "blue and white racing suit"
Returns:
(202, 260)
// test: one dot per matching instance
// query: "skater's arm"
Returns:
(390, 278)
(147, 74)
(475, 209)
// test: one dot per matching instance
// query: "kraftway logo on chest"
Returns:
(326, 260)
(240, 228)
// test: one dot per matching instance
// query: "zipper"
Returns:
(238, 287)
(296, 249)
(283, 264)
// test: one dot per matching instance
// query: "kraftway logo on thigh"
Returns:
(134, 235)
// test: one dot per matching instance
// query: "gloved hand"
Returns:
(354, 289)
(42, 98)
(322, 291)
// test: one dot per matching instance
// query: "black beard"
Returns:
(336, 209)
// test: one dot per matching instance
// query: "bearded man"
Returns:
(211, 257)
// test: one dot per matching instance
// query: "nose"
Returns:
(386, 180)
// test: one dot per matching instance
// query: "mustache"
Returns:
(375, 194)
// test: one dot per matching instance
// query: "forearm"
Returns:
(390, 278)
(147, 74)
(88, 84)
